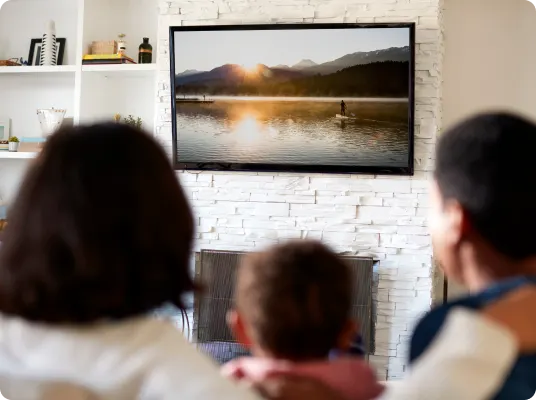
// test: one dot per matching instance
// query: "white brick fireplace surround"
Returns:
(359, 215)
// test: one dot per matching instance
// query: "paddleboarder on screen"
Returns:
(343, 108)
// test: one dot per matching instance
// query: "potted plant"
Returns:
(133, 122)
(13, 143)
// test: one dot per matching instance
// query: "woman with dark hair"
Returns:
(98, 237)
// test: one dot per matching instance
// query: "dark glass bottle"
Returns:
(145, 55)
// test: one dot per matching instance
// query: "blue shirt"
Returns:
(521, 382)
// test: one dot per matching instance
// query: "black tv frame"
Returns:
(407, 171)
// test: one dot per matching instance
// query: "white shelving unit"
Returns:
(133, 69)
(38, 70)
(89, 93)
(7, 155)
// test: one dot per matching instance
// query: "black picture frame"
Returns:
(334, 169)
(35, 51)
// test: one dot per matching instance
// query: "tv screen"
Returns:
(307, 98)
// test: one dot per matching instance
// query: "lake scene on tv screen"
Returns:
(305, 97)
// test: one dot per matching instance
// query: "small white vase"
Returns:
(50, 120)
(49, 47)
(13, 146)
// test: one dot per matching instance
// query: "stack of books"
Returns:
(95, 59)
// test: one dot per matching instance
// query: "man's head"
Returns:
(293, 302)
(484, 198)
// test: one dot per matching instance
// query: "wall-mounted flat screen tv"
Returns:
(303, 98)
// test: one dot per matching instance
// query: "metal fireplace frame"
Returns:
(210, 331)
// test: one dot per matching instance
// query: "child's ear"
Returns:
(238, 329)
(347, 335)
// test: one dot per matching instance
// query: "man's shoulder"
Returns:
(431, 323)
(429, 326)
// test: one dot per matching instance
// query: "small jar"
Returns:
(121, 45)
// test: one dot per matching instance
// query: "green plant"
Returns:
(134, 122)
(14, 139)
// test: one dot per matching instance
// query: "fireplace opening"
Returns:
(217, 269)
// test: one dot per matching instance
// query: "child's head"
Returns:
(484, 199)
(293, 302)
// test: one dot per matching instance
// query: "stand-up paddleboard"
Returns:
(339, 116)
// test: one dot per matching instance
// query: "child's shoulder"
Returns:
(427, 329)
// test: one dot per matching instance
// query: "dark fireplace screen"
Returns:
(216, 269)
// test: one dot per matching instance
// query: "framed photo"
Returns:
(5, 124)
(34, 58)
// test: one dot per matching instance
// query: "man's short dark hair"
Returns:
(295, 298)
(100, 229)
(488, 164)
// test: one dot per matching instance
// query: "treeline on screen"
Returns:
(380, 79)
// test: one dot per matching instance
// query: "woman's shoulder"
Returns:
(149, 356)
(177, 367)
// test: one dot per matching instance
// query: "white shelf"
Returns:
(89, 93)
(38, 69)
(127, 70)
(16, 155)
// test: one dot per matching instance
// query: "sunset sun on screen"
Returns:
(250, 67)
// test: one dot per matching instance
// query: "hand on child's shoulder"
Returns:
(516, 312)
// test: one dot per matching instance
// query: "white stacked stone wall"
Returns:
(383, 217)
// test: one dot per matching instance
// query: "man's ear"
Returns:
(238, 328)
(458, 223)
(347, 335)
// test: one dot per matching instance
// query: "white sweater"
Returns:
(150, 359)
(139, 359)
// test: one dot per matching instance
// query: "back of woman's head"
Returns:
(100, 229)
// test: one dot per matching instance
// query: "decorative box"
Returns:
(103, 47)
